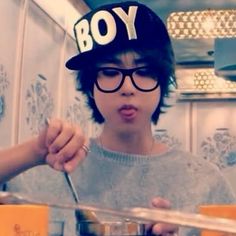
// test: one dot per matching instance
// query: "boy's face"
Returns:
(127, 108)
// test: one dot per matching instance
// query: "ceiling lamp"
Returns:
(202, 24)
(219, 25)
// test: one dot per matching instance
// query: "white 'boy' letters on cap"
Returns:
(86, 41)
(111, 31)
(128, 20)
(119, 25)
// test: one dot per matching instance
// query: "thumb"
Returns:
(159, 202)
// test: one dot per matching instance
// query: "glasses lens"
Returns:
(108, 79)
(111, 79)
(145, 78)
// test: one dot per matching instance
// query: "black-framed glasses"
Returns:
(111, 79)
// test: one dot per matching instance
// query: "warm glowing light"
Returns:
(208, 24)
(203, 80)
(202, 24)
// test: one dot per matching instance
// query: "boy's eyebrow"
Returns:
(110, 60)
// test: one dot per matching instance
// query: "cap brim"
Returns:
(84, 59)
(73, 63)
(79, 61)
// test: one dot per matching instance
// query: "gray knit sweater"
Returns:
(119, 180)
(112, 179)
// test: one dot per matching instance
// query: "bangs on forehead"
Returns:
(116, 58)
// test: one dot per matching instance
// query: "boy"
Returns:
(125, 67)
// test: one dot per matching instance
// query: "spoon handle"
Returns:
(81, 215)
(72, 187)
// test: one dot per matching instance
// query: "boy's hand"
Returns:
(163, 229)
(62, 145)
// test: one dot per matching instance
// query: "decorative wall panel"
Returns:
(40, 71)
(168, 130)
(73, 103)
(11, 14)
(214, 136)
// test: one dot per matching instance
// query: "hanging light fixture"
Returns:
(202, 24)
(219, 25)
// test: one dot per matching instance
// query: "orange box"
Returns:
(222, 211)
(24, 220)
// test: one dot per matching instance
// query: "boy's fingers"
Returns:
(73, 162)
(159, 202)
(164, 229)
(54, 128)
(65, 161)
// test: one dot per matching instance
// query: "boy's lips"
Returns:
(128, 111)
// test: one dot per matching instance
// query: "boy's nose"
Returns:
(127, 87)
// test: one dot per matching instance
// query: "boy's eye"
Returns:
(144, 72)
(109, 72)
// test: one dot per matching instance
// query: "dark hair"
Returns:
(118, 27)
(159, 58)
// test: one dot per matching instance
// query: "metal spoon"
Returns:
(81, 215)
(143, 214)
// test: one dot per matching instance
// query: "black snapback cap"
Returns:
(115, 26)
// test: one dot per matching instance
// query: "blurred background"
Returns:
(36, 40)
